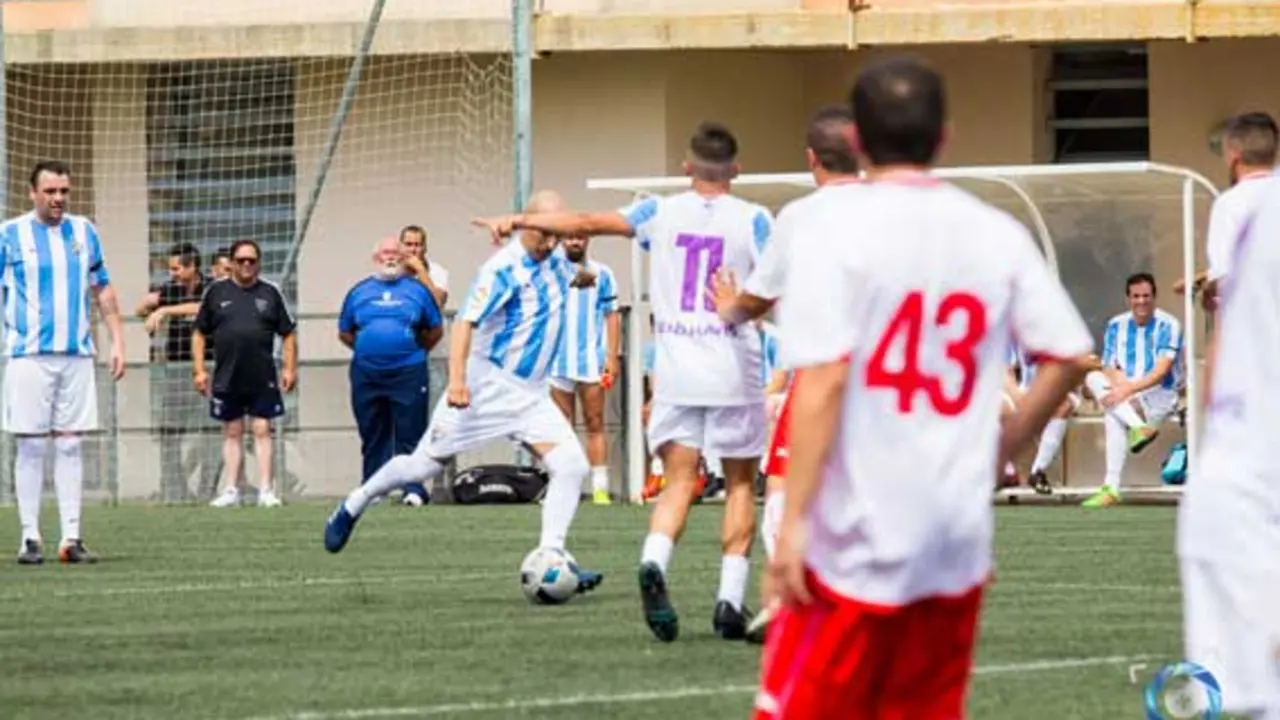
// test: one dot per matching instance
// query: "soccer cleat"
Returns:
(337, 531)
(1141, 437)
(601, 497)
(653, 487)
(588, 580)
(413, 499)
(658, 612)
(269, 499)
(729, 622)
(75, 553)
(31, 554)
(758, 628)
(229, 498)
(1106, 497)
(1040, 483)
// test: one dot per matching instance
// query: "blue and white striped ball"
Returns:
(549, 576)
(1184, 691)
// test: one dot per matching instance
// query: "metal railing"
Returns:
(316, 447)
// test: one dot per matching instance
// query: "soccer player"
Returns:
(500, 354)
(53, 265)
(903, 295)
(1137, 383)
(1228, 535)
(1055, 432)
(1249, 148)
(587, 361)
(708, 390)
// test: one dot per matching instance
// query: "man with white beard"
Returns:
(390, 321)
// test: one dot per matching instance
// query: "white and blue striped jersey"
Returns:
(48, 275)
(518, 307)
(1133, 349)
(701, 361)
(582, 344)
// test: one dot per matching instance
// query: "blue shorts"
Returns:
(266, 404)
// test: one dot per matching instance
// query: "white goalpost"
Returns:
(1096, 224)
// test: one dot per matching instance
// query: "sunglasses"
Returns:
(245, 261)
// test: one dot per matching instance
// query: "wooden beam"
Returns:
(906, 23)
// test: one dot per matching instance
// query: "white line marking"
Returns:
(159, 588)
(639, 697)
(1133, 672)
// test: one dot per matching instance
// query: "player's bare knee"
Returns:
(593, 419)
(261, 429)
(233, 430)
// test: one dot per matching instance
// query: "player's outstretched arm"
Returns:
(563, 224)
(1054, 380)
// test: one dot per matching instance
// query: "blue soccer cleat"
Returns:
(337, 531)
(588, 580)
(658, 612)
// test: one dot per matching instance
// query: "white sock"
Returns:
(771, 521)
(1010, 468)
(398, 472)
(600, 479)
(68, 480)
(1099, 385)
(734, 570)
(1117, 449)
(567, 467)
(1055, 431)
(655, 466)
(657, 550)
(28, 473)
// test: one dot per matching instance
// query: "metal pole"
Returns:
(336, 125)
(6, 446)
(522, 120)
(1189, 323)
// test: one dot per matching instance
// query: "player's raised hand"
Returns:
(500, 228)
(723, 286)
(787, 569)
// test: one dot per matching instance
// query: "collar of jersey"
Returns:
(909, 178)
(1256, 175)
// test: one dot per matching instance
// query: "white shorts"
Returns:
(1157, 404)
(1233, 631)
(501, 407)
(733, 431)
(570, 385)
(50, 393)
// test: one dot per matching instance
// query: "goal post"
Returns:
(1096, 223)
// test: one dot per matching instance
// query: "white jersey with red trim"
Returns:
(922, 289)
(770, 276)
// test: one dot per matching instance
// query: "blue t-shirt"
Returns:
(387, 317)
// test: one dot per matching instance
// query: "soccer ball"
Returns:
(549, 576)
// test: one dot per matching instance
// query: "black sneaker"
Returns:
(1040, 483)
(658, 612)
(32, 553)
(729, 622)
(75, 553)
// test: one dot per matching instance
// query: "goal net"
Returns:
(166, 153)
(1096, 224)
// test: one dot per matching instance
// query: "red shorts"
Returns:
(777, 460)
(840, 659)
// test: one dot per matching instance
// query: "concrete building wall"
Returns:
(426, 145)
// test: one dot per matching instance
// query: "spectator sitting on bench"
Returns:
(1136, 381)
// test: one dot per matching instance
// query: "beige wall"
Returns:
(429, 142)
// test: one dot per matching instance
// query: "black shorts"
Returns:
(266, 404)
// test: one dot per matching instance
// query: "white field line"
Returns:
(572, 701)
(35, 591)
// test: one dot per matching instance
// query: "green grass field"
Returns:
(199, 613)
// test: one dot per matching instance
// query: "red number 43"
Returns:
(908, 323)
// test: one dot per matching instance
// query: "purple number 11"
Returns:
(695, 282)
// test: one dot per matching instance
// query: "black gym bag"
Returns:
(499, 485)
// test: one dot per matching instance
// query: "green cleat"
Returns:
(1106, 497)
(1141, 437)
